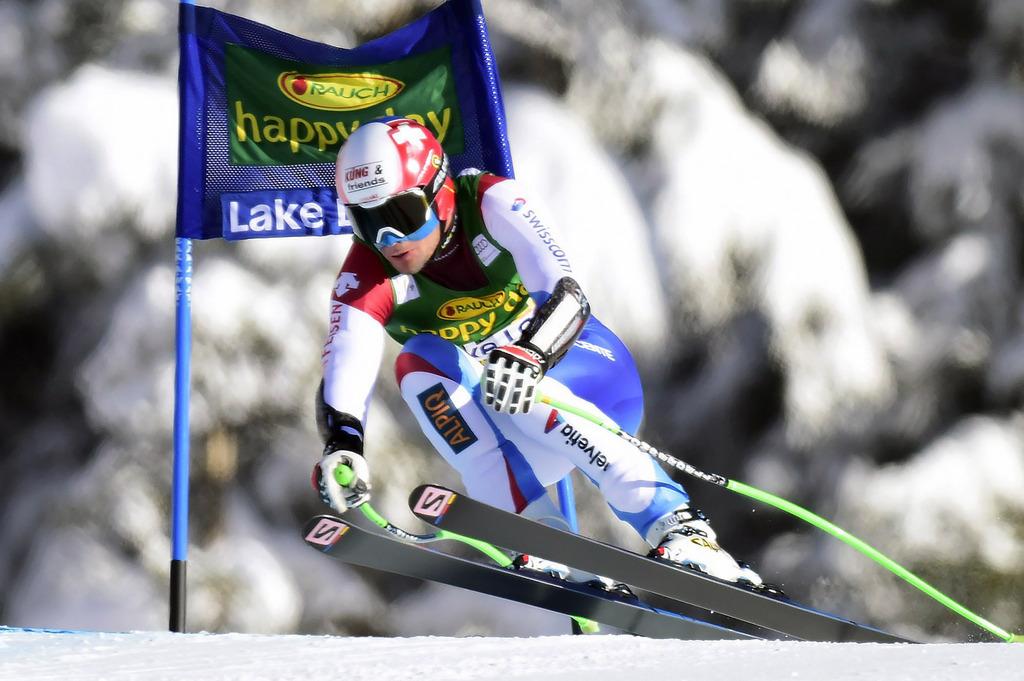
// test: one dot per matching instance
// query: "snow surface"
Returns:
(39, 655)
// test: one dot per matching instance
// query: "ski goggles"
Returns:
(402, 217)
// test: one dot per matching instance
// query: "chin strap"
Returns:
(557, 323)
(437, 185)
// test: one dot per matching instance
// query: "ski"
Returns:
(445, 508)
(351, 544)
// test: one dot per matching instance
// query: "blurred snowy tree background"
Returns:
(804, 216)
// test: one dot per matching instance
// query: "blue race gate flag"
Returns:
(263, 114)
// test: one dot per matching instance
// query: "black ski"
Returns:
(357, 546)
(456, 512)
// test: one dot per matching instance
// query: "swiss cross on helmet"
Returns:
(390, 175)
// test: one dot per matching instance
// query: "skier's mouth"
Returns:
(403, 255)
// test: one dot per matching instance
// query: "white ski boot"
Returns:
(562, 571)
(684, 537)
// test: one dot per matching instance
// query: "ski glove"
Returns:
(338, 496)
(511, 378)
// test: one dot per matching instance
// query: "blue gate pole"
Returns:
(567, 502)
(182, 430)
(182, 390)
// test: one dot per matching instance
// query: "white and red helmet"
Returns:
(385, 172)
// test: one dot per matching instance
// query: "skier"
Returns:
(468, 274)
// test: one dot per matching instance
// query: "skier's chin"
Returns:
(407, 266)
(406, 261)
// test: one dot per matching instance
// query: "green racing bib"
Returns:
(491, 315)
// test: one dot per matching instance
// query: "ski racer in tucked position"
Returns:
(469, 276)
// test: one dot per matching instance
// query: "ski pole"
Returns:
(795, 510)
(344, 475)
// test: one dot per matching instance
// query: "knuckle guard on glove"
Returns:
(511, 379)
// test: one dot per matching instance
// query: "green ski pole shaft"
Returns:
(797, 511)
(344, 475)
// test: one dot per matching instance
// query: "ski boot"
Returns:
(684, 537)
(565, 573)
